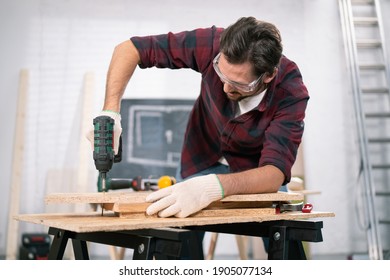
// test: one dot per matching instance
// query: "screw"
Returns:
(141, 248)
(276, 236)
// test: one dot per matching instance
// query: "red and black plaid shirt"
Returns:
(267, 135)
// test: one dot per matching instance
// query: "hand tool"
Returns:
(137, 183)
(103, 153)
(281, 207)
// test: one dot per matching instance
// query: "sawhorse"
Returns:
(285, 239)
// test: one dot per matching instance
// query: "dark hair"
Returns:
(255, 41)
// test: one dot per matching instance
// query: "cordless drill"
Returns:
(103, 152)
(137, 184)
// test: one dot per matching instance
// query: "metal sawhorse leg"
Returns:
(147, 244)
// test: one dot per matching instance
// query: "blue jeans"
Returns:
(219, 168)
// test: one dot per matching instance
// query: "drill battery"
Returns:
(35, 246)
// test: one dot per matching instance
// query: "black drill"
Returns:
(103, 152)
(137, 184)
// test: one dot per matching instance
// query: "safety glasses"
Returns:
(241, 87)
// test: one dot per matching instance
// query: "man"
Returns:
(247, 123)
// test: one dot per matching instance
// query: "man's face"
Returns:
(238, 80)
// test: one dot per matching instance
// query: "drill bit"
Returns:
(103, 178)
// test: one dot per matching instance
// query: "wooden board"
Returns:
(99, 198)
(84, 158)
(133, 205)
(139, 197)
(17, 167)
(141, 207)
(93, 222)
(307, 192)
(138, 210)
(203, 213)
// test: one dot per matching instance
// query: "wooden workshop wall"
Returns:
(66, 46)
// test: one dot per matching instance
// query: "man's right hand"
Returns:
(117, 129)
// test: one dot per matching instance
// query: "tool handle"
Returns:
(137, 183)
(103, 152)
(119, 184)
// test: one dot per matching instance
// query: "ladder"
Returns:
(369, 72)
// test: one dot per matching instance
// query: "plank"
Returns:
(17, 166)
(126, 207)
(138, 210)
(240, 204)
(139, 197)
(141, 207)
(83, 180)
(107, 197)
(93, 221)
(133, 205)
(307, 192)
(205, 213)
(278, 196)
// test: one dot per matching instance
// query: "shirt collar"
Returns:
(249, 103)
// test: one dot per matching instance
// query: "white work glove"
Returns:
(185, 198)
(117, 129)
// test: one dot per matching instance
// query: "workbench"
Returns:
(175, 238)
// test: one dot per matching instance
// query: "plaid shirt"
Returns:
(267, 135)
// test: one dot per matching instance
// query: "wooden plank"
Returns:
(138, 210)
(126, 207)
(93, 222)
(83, 180)
(206, 213)
(139, 197)
(307, 192)
(278, 196)
(239, 204)
(141, 207)
(234, 212)
(132, 205)
(17, 165)
(106, 197)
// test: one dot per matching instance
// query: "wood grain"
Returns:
(133, 205)
(93, 222)
(203, 213)
(139, 197)
(99, 198)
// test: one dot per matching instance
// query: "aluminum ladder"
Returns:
(369, 72)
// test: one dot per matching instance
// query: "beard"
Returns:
(236, 96)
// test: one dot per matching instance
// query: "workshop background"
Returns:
(59, 51)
